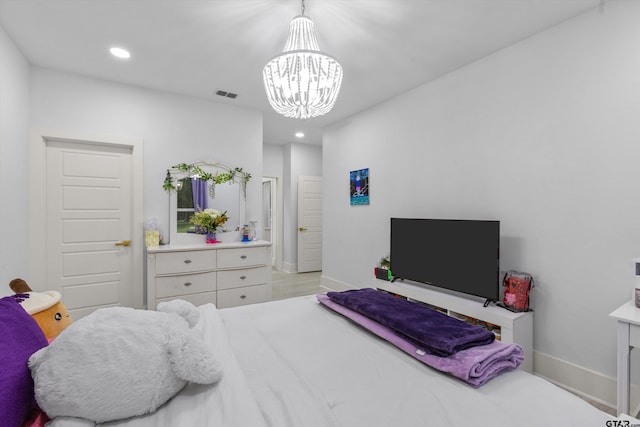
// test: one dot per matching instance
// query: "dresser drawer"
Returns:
(195, 299)
(243, 296)
(185, 262)
(171, 286)
(243, 277)
(242, 257)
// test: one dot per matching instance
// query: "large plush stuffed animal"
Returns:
(120, 362)
(45, 307)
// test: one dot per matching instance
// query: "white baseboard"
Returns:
(334, 285)
(582, 381)
(289, 267)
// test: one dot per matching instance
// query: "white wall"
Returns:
(14, 134)
(298, 160)
(175, 129)
(545, 137)
(272, 156)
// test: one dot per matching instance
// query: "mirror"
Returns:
(204, 185)
(225, 197)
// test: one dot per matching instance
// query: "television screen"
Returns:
(460, 255)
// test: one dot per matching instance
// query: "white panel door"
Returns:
(309, 223)
(88, 221)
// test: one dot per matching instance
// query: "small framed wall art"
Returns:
(359, 187)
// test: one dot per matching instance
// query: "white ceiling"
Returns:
(195, 47)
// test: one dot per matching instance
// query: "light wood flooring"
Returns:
(289, 285)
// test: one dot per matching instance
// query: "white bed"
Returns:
(295, 363)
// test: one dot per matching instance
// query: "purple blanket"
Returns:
(475, 366)
(428, 329)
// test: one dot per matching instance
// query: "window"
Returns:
(185, 206)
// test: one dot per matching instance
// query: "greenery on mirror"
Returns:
(221, 174)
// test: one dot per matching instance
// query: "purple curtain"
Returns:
(200, 193)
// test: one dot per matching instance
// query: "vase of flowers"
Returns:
(207, 221)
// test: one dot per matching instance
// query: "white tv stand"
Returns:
(514, 327)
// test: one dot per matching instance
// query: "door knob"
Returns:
(302, 229)
(124, 243)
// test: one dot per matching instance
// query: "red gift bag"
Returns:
(517, 288)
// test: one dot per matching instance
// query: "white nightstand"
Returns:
(628, 317)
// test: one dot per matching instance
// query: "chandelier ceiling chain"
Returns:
(302, 82)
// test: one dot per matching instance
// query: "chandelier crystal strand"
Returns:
(302, 82)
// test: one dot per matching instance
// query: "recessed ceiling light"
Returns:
(299, 135)
(120, 53)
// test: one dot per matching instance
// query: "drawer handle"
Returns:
(243, 256)
(243, 277)
(187, 261)
(187, 284)
(243, 296)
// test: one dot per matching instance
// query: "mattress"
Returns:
(294, 363)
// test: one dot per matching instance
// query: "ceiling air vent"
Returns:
(226, 94)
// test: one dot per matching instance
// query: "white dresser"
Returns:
(225, 274)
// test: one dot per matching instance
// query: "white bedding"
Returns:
(308, 366)
(294, 363)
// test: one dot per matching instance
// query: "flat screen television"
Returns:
(459, 255)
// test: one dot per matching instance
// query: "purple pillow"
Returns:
(20, 337)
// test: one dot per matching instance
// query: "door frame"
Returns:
(37, 202)
(277, 210)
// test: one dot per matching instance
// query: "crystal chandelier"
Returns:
(302, 82)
